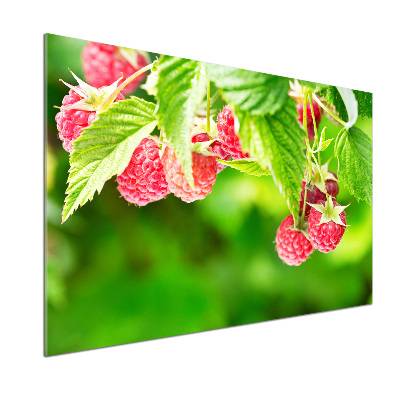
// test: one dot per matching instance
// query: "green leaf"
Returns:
(364, 100)
(277, 141)
(250, 167)
(353, 150)
(313, 85)
(325, 144)
(322, 144)
(105, 148)
(250, 91)
(180, 88)
(350, 102)
(202, 147)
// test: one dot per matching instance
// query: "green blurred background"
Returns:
(117, 273)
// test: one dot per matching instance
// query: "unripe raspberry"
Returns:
(143, 180)
(71, 121)
(310, 124)
(326, 225)
(230, 141)
(204, 173)
(103, 64)
(292, 246)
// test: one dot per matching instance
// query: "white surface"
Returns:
(349, 354)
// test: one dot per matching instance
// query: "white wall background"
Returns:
(349, 354)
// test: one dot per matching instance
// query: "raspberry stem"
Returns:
(158, 140)
(309, 167)
(320, 172)
(208, 107)
(123, 84)
(314, 124)
(318, 163)
(303, 212)
(315, 97)
(130, 55)
(305, 99)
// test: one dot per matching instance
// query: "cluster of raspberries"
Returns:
(325, 220)
(152, 173)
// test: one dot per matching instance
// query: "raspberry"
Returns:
(216, 148)
(292, 246)
(313, 197)
(200, 134)
(310, 124)
(143, 180)
(204, 173)
(103, 64)
(200, 137)
(326, 225)
(230, 141)
(71, 121)
(332, 187)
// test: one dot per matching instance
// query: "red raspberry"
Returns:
(332, 186)
(230, 141)
(292, 246)
(313, 197)
(204, 173)
(200, 137)
(310, 124)
(143, 180)
(70, 122)
(216, 148)
(326, 225)
(103, 64)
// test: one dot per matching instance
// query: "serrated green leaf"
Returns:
(250, 167)
(105, 148)
(364, 100)
(332, 96)
(353, 150)
(180, 88)
(277, 141)
(255, 92)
